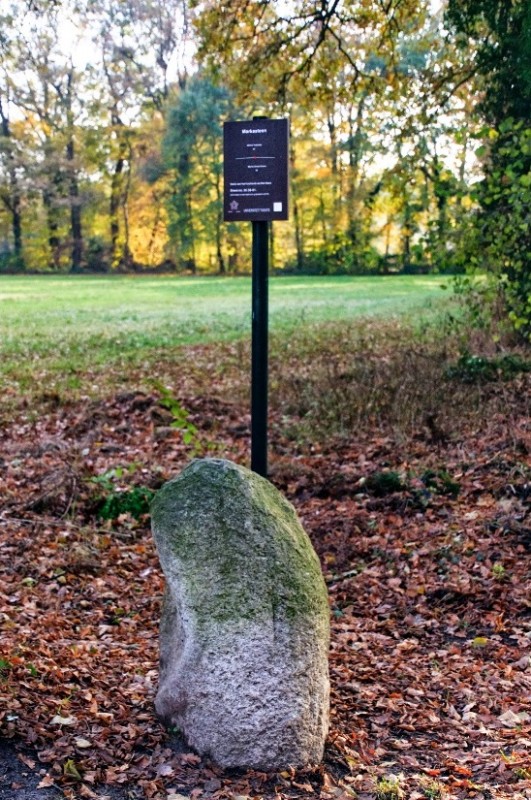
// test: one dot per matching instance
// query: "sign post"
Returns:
(259, 357)
(256, 189)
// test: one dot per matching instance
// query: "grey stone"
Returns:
(245, 624)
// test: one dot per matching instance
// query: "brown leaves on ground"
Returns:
(429, 587)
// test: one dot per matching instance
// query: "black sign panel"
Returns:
(256, 170)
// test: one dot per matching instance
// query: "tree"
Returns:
(377, 97)
(50, 98)
(45, 89)
(501, 35)
(66, 94)
(10, 186)
(358, 71)
(192, 151)
(137, 41)
(279, 46)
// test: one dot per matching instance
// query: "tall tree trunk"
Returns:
(12, 200)
(127, 257)
(183, 206)
(114, 205)
(299, 237)
(75, 211)
(407, 217)
(334, 169)
(115, 201)
(299, 244)
(154, 230)
(76, 229)
(52, 195)
(17, 228)
(354, 159)
(52, 222)
(462, 170)
(406, 236)
(219, 253)
(322, 216)
(219, 226)
(191, 262)
(441, 189)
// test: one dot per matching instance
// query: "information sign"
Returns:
(256, 170)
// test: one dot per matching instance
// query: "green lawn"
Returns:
(70, 323)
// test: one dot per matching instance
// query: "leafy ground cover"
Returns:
(418, 508)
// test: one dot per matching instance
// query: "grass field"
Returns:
(78, 334)
(80, 321)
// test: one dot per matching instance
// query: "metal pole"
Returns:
(259, 368)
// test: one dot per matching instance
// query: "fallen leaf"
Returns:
(86, 791)
(83, 743)
(461, 770)
(59, 720)
(510, 719)
(29, 762)
(165, 770)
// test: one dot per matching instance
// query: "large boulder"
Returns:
(245, 622)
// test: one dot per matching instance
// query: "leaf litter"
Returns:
(429, 593)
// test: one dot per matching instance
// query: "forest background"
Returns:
(410, 134)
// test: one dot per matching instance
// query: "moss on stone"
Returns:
(237, 544)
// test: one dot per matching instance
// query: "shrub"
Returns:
(471, 368)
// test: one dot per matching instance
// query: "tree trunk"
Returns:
(299, 245)
(406, 237)
(219, 252)
(75, 211)
(298, 236)
(219, 226)
(114, 205)
(322, 215)
(154, 230)
(17, 229)
(13, 200)
(334, 169)
(190, 233)
(407, 217)
(354, 158)
(441, 189)
(76, 230)
(52, 222)
(127, 257)
(115, 202)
